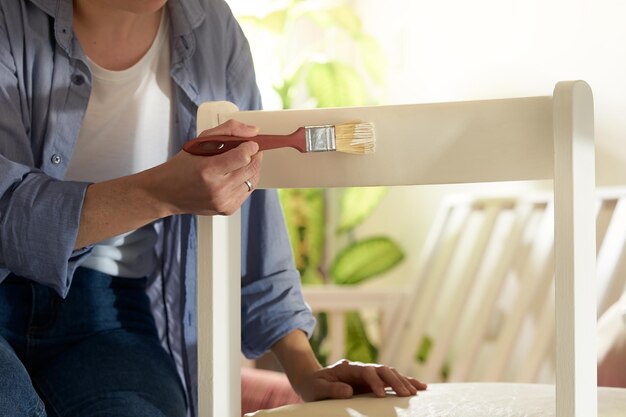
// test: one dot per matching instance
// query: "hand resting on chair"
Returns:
(340, 380)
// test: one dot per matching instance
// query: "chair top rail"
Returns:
(458, 142)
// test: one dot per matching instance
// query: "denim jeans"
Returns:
(94, 353)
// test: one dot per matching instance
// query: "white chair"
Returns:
(496, 140)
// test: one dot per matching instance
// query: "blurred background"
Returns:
(419, 276)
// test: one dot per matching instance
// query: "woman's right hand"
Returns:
(208, 185)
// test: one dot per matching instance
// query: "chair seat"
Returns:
(454, 400)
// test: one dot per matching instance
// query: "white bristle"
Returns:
(355, 137)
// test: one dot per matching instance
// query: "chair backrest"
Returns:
(483, 297)
(494, 140)
(497, 281)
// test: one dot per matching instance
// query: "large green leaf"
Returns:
(358, 346)
(365, 259)
(304, 211)
(357, 204)
(336, 84)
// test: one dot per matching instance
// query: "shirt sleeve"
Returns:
(39, 215)
(39, 219)
(272, 304)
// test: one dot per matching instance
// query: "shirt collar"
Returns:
(185, 15)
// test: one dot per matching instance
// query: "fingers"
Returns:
(377, 378)
(236, 158)
(232, 160)
(331, 389)
(251, 172)
(420, 386)
(399, 383)
(232, 128)
(373, 380)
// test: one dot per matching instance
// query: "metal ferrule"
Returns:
(320, 138)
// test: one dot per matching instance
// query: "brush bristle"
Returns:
(355, 137)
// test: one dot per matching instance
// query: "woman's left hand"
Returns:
(345, 378)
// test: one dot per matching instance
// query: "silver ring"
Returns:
(249, 184)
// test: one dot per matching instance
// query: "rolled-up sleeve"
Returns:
(39, 218)
(272, 304)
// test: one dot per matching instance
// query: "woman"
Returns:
(97, 235)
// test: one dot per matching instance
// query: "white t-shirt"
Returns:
(127, 129)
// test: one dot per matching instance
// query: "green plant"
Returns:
(334, 63)
(330, 80)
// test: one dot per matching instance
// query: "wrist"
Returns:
(149, 189)
(297, 359)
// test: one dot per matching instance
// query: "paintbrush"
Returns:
(350, 137)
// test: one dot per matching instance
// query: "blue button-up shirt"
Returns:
(45, 85)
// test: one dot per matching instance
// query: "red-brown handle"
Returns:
(216, 145)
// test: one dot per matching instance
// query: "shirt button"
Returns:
(55, 159)
(78, 79)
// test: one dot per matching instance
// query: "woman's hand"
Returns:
(341, 380)
(345, 378)
(208, 185)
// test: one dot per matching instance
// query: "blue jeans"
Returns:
(94, 353)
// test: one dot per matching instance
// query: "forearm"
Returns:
(296, 357)
(118, 206)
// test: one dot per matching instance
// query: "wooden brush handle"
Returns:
(215, 145)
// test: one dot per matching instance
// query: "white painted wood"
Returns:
(337, 333)
(536, 271)
(543, 342)
(496, 140)
(468, 269)
(219, 307)
(472, 341)
(205, 317)
(416, 289)
(219, 315)
(342, 298)
(453, 400)
(416, 322)
(604, 213)
(609, 256)
(575, 248)
(417, 144)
